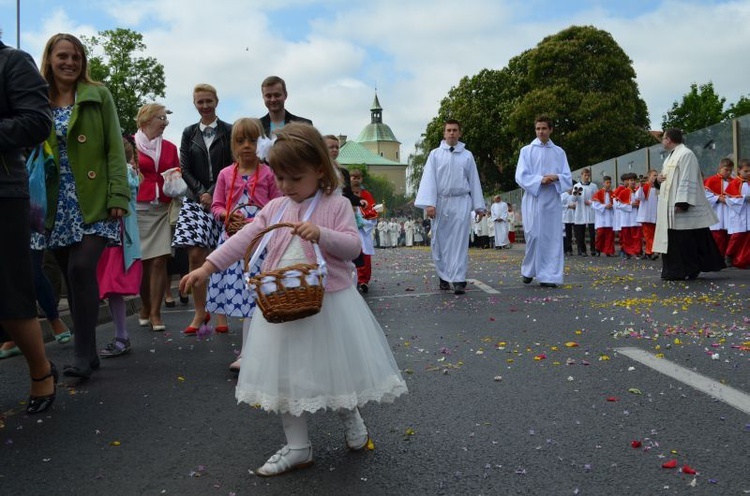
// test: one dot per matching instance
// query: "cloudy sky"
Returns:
(334, 53)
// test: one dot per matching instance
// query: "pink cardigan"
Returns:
(265, 190)
(339, 238)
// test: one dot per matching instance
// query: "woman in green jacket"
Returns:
(87, 193)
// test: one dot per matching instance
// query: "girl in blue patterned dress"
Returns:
(242, 189)
(88, 191)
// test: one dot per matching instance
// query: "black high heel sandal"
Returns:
(39, 404)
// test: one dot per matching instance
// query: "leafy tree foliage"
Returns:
(700, 107)
(580, 77)
(738, 109)
(133, 80)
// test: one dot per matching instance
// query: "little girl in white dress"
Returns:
(338, 359)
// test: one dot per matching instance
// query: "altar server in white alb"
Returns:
(499, 217)
(543, 173)
(448, 192)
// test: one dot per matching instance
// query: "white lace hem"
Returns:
(394, 387)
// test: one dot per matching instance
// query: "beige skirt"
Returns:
(154, 229)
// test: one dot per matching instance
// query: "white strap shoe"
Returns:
(355, 433)
(285, 460)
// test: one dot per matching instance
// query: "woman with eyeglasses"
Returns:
(87, 191)
(155, 155)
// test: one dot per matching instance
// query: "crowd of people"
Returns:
(696, 225)
(113, 222)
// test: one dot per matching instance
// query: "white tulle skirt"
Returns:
(336, 359)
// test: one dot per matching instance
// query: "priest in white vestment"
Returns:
(383, 238)
(543, 173)
(499, 218)
(448, 192)
(684, 215)
(409, 232)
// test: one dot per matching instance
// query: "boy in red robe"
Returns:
(648, 198)
(601, 202)
(716, 194)
(737, 199)
(630, 230)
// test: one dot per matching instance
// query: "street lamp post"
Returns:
(18, 24)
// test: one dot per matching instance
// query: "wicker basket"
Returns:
(287, 293)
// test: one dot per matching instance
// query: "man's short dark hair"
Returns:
(674, 135)
(545, 119)
(272, 80)
(452, 121)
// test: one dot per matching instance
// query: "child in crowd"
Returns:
(716, 187)
(648, 199)
(630, 230)
(737, 198)
(337, 359)
(568, 202)
(601, 202)
(242, 189)
(616, 214)
(120, 269)
(369, 220)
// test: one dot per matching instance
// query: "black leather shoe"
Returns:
(39, 404)
(364, 288)
(80, 371)
(548, 284)
(444, 285)
(459, 288)
(527, 280)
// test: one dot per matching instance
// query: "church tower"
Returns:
(378, 137)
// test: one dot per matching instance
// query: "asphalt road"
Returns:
(513, 389)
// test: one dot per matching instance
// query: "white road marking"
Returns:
(729, 395)
(483, 286)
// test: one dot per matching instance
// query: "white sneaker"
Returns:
(285, 460)
(355, 433)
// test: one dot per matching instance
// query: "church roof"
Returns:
(376, 132)
(353, 153)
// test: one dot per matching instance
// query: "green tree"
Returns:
(700, 107)
(584, 81)
(132, 79)
(742, 107)
(580, 77)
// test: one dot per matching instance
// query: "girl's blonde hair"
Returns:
(47, 60)
(247, 127)
(300, 147)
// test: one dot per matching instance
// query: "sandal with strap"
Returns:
(39, 404)
(112, 350)
(285, 460)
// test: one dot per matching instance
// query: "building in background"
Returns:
(376, 148)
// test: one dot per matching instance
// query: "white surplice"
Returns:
(383, 237)
(541, 209)
(450, 183)
(499, 218)
(683, 184)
